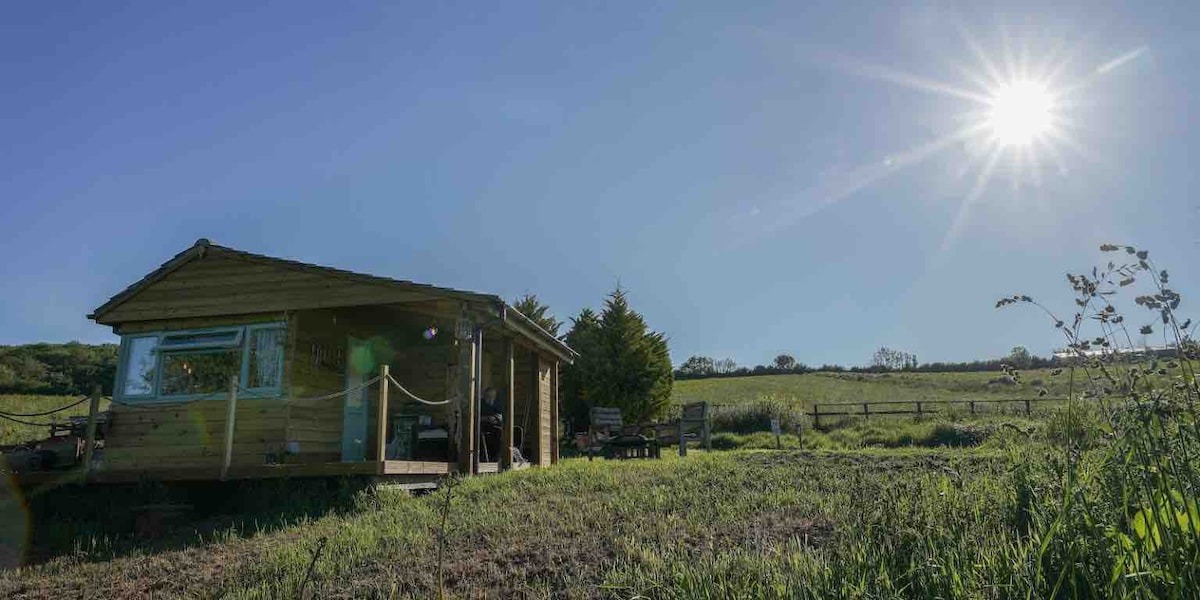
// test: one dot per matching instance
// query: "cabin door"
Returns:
(354, 410)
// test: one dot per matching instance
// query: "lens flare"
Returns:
(1021, 112)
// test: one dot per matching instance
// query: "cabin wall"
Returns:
(317, 362)
(192, 435)
(425, 367)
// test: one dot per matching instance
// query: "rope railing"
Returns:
(414, 396)
(4, 413)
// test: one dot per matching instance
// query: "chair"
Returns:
(626, 442)
(694, 424)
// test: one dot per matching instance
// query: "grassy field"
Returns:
(736, 524)
(13, 433)
(1069, 502)
(804, 390)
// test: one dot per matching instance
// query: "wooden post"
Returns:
(510, 405)
(816, 416)
(477, 402)
(466, 433)
(381, 426)
(555, 434)
(1027, 407)
(230, 416)
(972, 403)
(681, 430)
(866, 411)
(920, 413)
(89, 444)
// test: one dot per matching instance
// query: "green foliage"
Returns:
(539, 313)
(70, 368)
(785, 362)
(621, 363)
(1020, 357)
(888, 359)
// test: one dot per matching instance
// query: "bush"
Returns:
(755, 417)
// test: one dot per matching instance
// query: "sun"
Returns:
(1020, 113)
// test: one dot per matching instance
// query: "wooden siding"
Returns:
(193, 435)
(217, 286)
(299, 429)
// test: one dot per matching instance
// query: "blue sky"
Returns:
(751, 172)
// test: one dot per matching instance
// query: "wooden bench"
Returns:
(694, 424)
(611, 438)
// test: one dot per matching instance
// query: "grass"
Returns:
(980, 508)
(15, 433)
(807, 389)
(743, 523)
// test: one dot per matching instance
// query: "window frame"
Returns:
(243, 336)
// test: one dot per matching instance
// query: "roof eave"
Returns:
(515, 321)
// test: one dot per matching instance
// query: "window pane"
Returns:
(265, 345)
(200, 371)
(139, 368)
(208, 339)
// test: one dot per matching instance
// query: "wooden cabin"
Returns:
(238, 365)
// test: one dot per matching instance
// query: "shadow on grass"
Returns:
(94, 523)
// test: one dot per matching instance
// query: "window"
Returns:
(265, 358)
(186, 364)
(198, 371)
(140, 366)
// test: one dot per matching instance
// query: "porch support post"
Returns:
(477, 402)
(381, 427)
(466, 433)
(510, 405)
(555, 440)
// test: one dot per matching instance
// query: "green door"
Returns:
(354, 411)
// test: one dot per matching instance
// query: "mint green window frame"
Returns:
(209, 340)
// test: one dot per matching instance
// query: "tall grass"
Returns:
(1123, 520)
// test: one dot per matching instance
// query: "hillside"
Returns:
(804, 390)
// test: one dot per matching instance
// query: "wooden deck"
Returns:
(431, 469)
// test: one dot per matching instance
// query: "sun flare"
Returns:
(1020, 113)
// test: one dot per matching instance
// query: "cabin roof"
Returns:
(508, 316)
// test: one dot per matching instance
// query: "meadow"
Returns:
(827, 387)
(12, 432)
(1080, 499)
(729, 524)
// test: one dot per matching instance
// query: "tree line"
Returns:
(71, 368)
(882, 361)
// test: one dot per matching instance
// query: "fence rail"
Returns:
(919, 407)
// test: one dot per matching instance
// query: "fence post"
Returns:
(866, 411)
(90, 442)
(972, 403)
(682, 430)
(230, 416)
(816, 416)
(381, 427)
(1027, 407)
(920, 413)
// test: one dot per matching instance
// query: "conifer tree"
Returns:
(622, 363)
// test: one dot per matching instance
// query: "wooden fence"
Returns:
(916, 407)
